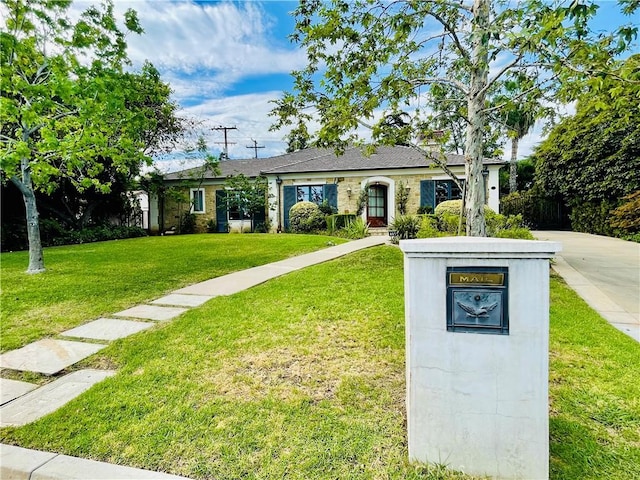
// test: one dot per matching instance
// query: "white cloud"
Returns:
(228, 38)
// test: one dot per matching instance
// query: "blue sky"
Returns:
(227, 60)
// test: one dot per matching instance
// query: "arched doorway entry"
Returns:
(377, 205)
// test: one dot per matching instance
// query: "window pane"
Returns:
(198, 200)
(316, 193)
(234, 213)
(309, 193)
(456, 193)
(447, 190)
(302, 194)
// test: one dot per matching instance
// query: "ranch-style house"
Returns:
(317, 175)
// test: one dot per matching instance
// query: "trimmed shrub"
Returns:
(522, 233)
(452, 207)
(53, 234)
(305, 217)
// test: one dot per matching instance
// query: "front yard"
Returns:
(83, 282)
(303, 378)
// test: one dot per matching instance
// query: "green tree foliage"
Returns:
(594, 156)
(154, 121)
(248, 195)
(525, 169)
(369, 59)
(518, 116)
(63, 105)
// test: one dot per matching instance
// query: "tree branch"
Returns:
(502, 71)
(454, 36)
(18, 183)
(428, 80)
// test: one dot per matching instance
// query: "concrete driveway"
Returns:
(605, 272)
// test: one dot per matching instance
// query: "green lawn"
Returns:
(83, 282)
(303, 378)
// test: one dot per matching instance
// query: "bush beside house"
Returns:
(446, 222)
(306, 217)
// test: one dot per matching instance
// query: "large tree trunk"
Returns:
(475, 198)
(513, 166)
(36, 257)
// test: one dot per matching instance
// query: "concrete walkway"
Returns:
(23, 402)
(605, 272)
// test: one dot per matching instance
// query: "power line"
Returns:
(226, 143)
(255, 147)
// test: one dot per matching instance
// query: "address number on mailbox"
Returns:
(477, 300)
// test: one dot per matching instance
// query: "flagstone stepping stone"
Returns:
(12, 389)
(48, 356)
(183, 300)
(50, 397)
(107, 329)
(152, 312)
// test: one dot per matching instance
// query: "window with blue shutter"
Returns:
(308, 193)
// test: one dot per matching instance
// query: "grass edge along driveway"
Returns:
(84, 282)
(303, 377)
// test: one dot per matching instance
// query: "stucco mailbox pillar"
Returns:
(477, 328)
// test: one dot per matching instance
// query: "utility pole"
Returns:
(226, 143)
(255, 147)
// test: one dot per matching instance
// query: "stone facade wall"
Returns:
(348, 203)
(349, 188)
(173, 209)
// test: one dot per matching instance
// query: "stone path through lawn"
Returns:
(23, 402)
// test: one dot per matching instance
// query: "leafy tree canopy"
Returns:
(595, 154)
(368, 60)
(66, 103)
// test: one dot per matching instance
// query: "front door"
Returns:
(377, 206)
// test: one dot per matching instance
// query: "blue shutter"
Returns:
(259, 217)
(428, 193)
(288, 201)
(330, 194)
(221, 211)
